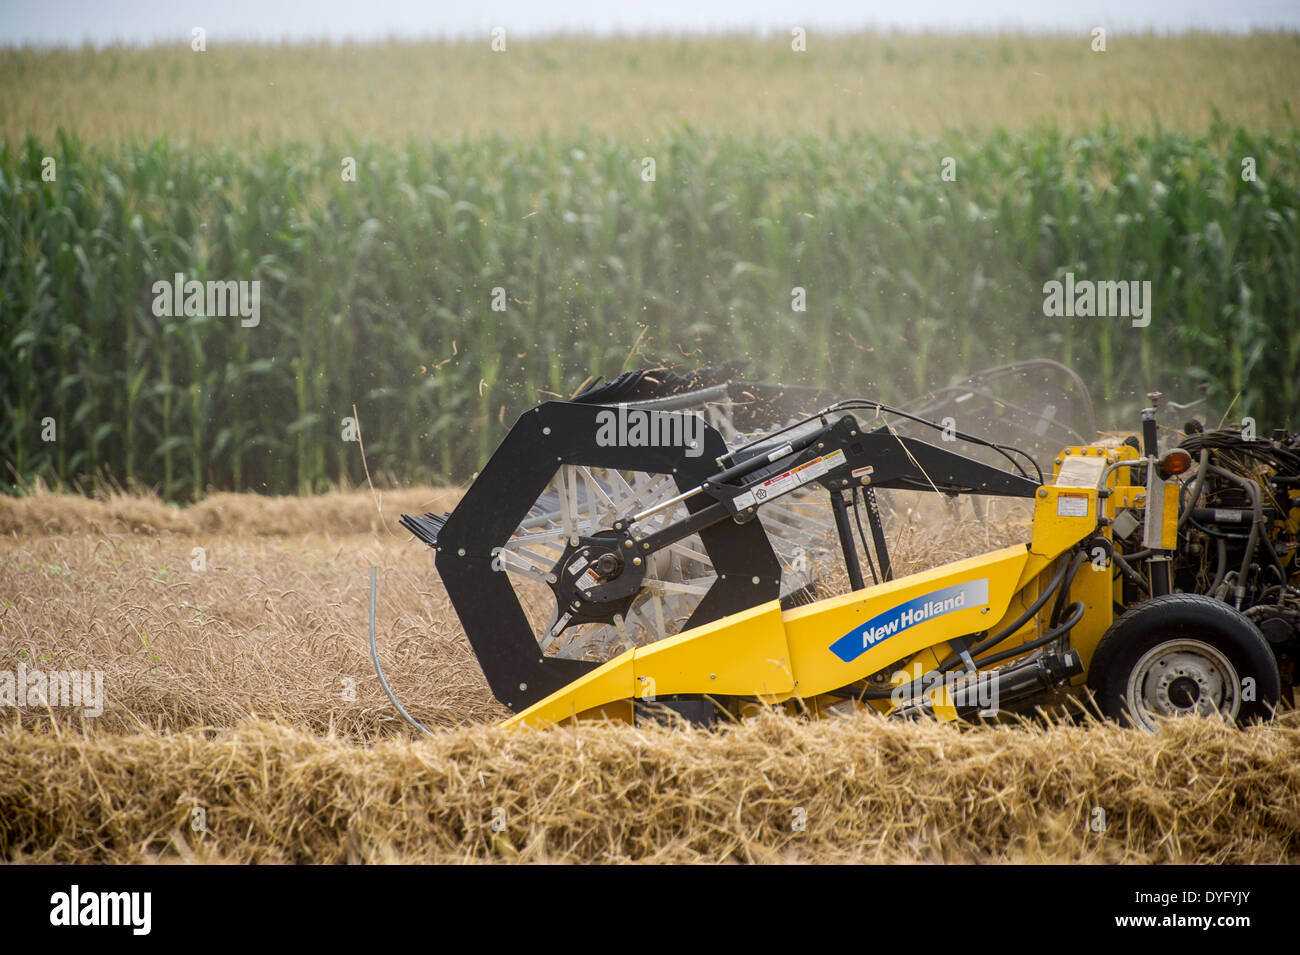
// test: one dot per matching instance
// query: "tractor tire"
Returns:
(1183, 655)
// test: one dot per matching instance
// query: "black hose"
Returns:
(1139, 554)
(1065, 626)
(1020, 621)
(1232, 442)
(1245, 566)
(1007, 451)
(1202, 469)
(1221, 568)
(862, 535)
(850, 404)
(1257, 509)
(1064, 589)
(1277, 561)
(1130, 573)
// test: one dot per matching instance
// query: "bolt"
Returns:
(546, 431)
(461, 552)
(645, 546)
(636, 561)
(523, 686)
(756, 580)
(1042, 492)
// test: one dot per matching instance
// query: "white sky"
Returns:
(73, 22)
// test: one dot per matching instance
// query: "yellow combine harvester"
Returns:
(660, 570)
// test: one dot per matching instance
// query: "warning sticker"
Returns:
(1072, 505)
(578, 564)
(858, 472)
(588, 580)
(784, 483)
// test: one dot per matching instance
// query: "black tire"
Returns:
(1157, 652)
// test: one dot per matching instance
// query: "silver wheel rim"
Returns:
(1182, 678)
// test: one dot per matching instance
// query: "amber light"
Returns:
(1176, 461)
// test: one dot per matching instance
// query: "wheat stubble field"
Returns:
(245, 690)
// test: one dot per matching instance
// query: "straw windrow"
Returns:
(862, 790)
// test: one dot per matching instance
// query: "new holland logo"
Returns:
(895, 620)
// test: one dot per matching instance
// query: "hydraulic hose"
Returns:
(1075, 614)
(862, 535)
(1023, 619)
(1202, 469)
(1221, 568)
(374, 655)
(1256, 527)
(1064, 589)
(1130, 573)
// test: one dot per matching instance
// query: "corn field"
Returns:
(451, 286)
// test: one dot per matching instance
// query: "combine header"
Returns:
(623, 556)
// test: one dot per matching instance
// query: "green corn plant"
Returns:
(377, 293)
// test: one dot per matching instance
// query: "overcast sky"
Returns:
(73, 22)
